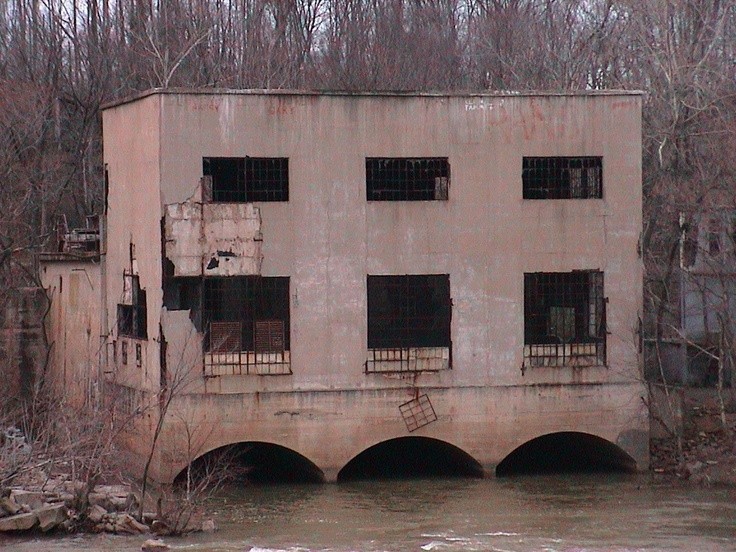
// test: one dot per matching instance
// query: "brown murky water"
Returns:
(560, 513)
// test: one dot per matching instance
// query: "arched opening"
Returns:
(252, 463)
(410, 457)
(566, 452)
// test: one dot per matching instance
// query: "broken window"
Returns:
(564, 319)
(407, 178)
(246, 179)
(562, 177)
(132, 310)
(247, 324)
(409, 323)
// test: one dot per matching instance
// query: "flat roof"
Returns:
(387, 94)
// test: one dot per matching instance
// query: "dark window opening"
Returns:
(562, 177)
(247, 313)
(410, 457)
(407, 179)
(564, 318)
(249, 179)
(566, 452)
(409, 311)
(132, 312)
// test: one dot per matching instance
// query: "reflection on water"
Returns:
(563, 513)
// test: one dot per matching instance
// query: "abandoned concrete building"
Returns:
(350, 283)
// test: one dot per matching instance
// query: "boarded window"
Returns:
(132, 311)
(249, 313)
(562, 177)
(409, 311)
(407, 178)
(246, 179)
(564, 318)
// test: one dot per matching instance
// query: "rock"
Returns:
(208, 526)
(32, 499)
(113, 498)
(9, 506)
(124, 523)
(49, 517)
(694, 467)
(96, 513)
(19, 522)
(154, 545)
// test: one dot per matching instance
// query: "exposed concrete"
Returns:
(327, 238)
(213, 239)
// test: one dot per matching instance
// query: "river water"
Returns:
(556, 513)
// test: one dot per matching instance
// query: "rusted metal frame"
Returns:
(553, 177)
(407, 179)
(418, 412)
(581, 291)
(404, 361)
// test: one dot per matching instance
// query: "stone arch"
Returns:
(410, 456)
(566, 451)
(256, 462)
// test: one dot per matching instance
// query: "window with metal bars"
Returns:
(407, 178)
(249, 179)
(409, 311)
(562, 177)
(246, 313)
(132, 312)
(564, 318)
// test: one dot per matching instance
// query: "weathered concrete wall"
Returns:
(73, 327)
(327, 238)
(131, 141)
(332, 427)
(22, 346)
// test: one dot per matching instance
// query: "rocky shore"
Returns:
(54, 507)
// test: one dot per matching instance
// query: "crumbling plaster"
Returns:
(213, 239)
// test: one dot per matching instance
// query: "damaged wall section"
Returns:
(204, 239)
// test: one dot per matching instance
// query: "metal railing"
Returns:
(226, 356)
(565, 354)
(408, 359)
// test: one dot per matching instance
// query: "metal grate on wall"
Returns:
(407, 178)
(562, 177)
(245, 179)
(564, 319)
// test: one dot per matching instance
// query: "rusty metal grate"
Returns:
(564, 319)
(418, 413)
(269, 336)
(407, 178)
(245, 179)
(562, 177)
(408, 359)
(225, 337)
